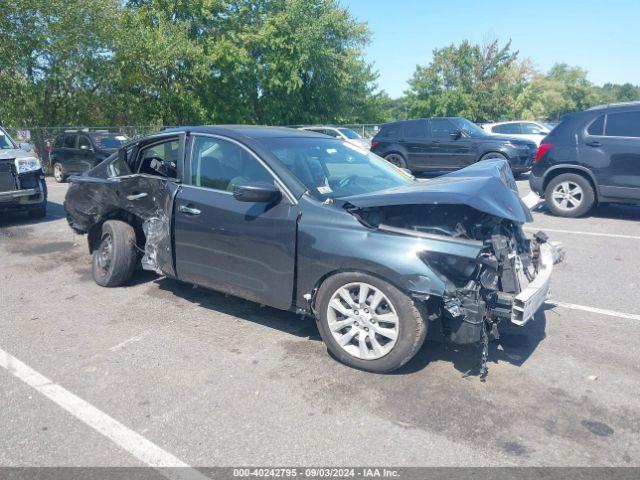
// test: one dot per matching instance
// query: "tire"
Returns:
(493, 156)
(390, 354)
(396, 159)
(58, 173)
(569, 195)
(115, 258)
(39, 213)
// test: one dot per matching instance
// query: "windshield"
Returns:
(5, 141)
(350, 134)
(332, 168)
(469, 128)
(109, 141)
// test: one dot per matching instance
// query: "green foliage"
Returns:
(177, 62)
(489, 83)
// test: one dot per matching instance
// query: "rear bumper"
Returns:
(529, 300)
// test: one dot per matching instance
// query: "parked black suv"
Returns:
(591, 156)
(446, 144)
(77, 151)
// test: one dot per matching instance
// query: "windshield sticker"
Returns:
(325, 189)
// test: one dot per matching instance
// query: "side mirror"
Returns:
(256, 192)
(86, 147)
(25, 146)
(455, 133)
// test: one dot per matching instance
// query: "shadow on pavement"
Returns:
(55, 211)
(617, 211)
(515, 346)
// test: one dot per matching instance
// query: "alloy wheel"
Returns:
(363, 321)
(57, 173)
(567, 196)
(395, 159)
(105, 254)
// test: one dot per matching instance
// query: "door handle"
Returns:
(594, 143)
(137, 196)
(188, 210)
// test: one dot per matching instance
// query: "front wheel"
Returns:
(58, 173)
(115, 258)
(368, 323)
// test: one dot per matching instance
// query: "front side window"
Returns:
(333, 168)
(532, 129)
(507, 128)
(84, 143)
(70, 141)
(441, 128)
(469, 128)
(160, 159)
(625, 124)
(221, 165)
(331, 132)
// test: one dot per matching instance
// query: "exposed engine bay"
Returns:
(482, 292)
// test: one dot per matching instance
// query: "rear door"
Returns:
(149, 191)
(244, 248)
(415, 140)
(610, 147)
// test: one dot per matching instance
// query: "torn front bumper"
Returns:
(531, 298)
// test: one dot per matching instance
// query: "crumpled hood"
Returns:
(487, 186)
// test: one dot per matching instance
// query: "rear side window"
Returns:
(70, 141)
(415, 129)
(391, 130)
(597, 126)
(58, 141)
(625, 124)
(509, 128)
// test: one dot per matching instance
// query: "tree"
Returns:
(472, 81)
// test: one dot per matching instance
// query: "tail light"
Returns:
(374, 143)
(542, 149)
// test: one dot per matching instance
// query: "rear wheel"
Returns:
(58, 173)
(569, 195)
(368, 323)
(115, 258)
(396, 159)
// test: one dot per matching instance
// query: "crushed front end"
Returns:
(22, 185)
(508, 280)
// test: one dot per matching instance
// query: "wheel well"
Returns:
(328, 275)
(485, 154)
(94, 234)
(559, 171)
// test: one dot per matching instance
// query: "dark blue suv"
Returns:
(445, 144)
(590, 157)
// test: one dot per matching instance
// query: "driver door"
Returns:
(243, 248)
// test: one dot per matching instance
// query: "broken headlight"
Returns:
(456, 269)
(27, 164)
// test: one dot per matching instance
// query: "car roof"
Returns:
(249, 131)
(620, 105)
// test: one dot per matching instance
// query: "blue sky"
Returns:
(603, 37)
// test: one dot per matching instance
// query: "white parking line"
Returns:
(577, 232)
(601, 311)
(130, 441)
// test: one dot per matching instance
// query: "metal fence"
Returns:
(42, 138)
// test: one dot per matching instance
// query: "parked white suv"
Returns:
(341, 133)
(530, 130)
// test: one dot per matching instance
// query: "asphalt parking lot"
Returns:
(211, 380)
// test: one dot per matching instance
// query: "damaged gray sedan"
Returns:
(306, 223)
